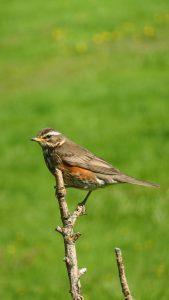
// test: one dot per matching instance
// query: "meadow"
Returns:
(99, 73)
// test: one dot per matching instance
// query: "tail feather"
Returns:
(127, 179)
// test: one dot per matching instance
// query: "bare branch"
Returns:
(122, 275)
(68, 221)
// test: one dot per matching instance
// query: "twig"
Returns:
(68, 221)
(122, 275)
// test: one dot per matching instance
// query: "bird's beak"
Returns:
(36, 139)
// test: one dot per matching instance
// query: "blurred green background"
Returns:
(99, 73)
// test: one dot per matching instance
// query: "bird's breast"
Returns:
(50, 159)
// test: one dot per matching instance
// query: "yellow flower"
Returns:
(149, 31)
(102, 37)
(58, 34)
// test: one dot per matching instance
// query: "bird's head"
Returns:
(48, 137)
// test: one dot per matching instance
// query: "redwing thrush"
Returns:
(80, 168)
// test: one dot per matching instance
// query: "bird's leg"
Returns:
(85, 199)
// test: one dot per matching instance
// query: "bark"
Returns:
(122, 275)
(70, 238)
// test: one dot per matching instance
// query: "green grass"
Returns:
(99, 74)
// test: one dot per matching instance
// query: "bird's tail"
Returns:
(127, 179)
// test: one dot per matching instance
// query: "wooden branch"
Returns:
(68, 221)
(122, 275)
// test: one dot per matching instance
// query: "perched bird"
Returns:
(80, 168)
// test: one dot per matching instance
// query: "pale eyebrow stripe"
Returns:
(52, 133)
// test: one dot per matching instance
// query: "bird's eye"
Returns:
(48, 136)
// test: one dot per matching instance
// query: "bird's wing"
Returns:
(74, 155)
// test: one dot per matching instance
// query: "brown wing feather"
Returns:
(74, 155)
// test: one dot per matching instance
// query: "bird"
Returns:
(80, 168)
